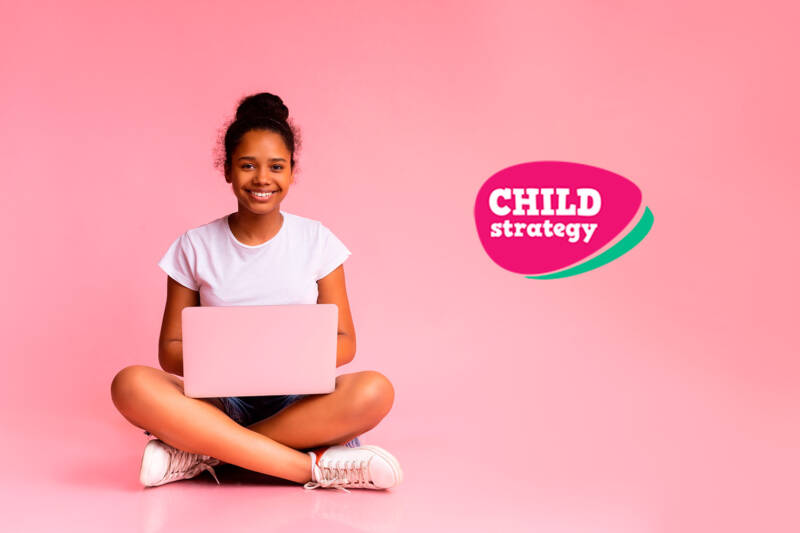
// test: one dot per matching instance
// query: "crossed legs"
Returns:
(154, 400)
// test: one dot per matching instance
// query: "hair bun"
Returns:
(262, 105)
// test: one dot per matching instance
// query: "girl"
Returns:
(259, 255)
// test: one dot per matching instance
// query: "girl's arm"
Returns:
(332, 291)
(170, 342)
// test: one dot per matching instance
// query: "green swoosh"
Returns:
(624, 245)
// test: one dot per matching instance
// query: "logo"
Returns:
(554, 219)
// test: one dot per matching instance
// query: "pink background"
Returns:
(657, 393)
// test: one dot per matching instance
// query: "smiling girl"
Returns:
(259, 255)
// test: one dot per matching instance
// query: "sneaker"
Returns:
(364, 467)
(161, 463)
(355, 442)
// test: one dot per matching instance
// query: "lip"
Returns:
(257, 199)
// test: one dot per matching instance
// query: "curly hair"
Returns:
(261, 111)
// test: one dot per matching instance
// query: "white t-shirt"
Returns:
(283, 270)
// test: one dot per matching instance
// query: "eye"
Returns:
(277, 166)
(247, 165)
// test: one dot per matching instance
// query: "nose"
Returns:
(262, 177)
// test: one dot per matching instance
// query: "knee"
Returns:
(128, 384)
(374, 395)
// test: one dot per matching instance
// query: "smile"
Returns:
(260, 196)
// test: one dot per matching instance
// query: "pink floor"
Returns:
(719, 475)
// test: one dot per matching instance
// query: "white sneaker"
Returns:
(365, 467)
(161, 463)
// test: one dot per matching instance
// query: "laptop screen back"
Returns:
(259, 350)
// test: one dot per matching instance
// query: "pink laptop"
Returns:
(259, 350)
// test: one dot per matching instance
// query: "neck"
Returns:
(251, 228)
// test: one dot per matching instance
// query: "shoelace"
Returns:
(183, 464)
(340, 474)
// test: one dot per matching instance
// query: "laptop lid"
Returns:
(259, 350)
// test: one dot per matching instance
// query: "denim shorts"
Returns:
(246, 410)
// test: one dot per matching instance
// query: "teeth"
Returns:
(261, 194)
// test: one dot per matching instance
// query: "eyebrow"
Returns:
(249, 157)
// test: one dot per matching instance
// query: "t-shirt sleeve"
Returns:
(180, 262)
(333, 253)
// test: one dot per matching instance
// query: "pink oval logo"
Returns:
(544, 216)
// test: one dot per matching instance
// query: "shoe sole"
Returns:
(389, 458)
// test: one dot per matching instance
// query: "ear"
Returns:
(227, 173)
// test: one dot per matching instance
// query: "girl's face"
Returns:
(261, 163)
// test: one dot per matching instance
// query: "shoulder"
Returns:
(300, 221)
(309, 228)
(206, 234)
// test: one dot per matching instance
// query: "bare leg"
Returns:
(358, 404)
(154, 400)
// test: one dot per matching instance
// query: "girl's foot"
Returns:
(364, 467)
(161, 463)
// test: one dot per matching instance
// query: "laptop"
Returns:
(259, 350)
